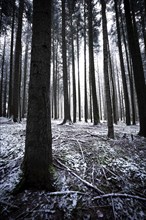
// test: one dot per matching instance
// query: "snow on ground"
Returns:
(87, 164)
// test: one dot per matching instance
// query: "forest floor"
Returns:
(95, 177)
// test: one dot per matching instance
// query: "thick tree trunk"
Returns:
(37, 166)
(137, 68)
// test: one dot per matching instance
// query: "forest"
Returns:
(73, 109)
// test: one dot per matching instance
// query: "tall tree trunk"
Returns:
(16, 85)
(37, 166)
(24, 79)
(91, 110)
(1, 2)
(91, 65)
(99, 88)
(54, 81)
(125, 89)
(73, 63)
(114, 94)
(57, 80)
(2, 78)
(74, 81)
(5, 92)
(137, 68)
(65, 80)
(10, 104)
(85, 69)
(143, 24)
(106, 74)
(78, 62)
(128, 68)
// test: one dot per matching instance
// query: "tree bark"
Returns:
(2, 78)
(65, 78)
(91, 66)
(137, 67)
(73, 62)
(24, 78)
(78, 64)
(5, 92)
(16, 86)
(106, 74)
(85, 69)
(125, 89)
(10, 104)
(37, 166)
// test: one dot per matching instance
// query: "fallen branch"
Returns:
(96, 135)
(25, 214)
(64, 192)
(119, 195)
(84, 181)
(9, 204)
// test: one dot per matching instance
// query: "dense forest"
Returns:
(73, 71)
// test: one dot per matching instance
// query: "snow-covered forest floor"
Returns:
(95, 177)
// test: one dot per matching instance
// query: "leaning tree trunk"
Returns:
(37, 166)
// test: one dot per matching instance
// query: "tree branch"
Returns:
(119, 195)
(84, 181)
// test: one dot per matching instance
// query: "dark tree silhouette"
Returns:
(137, 67)
(37, 164)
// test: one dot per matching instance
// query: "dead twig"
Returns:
(81, 150)
(84, 181)
(58, 193)
(119, 195)
(9, 204)
(96, 135)
(93, 171)
(113, 207)
(26, 213)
